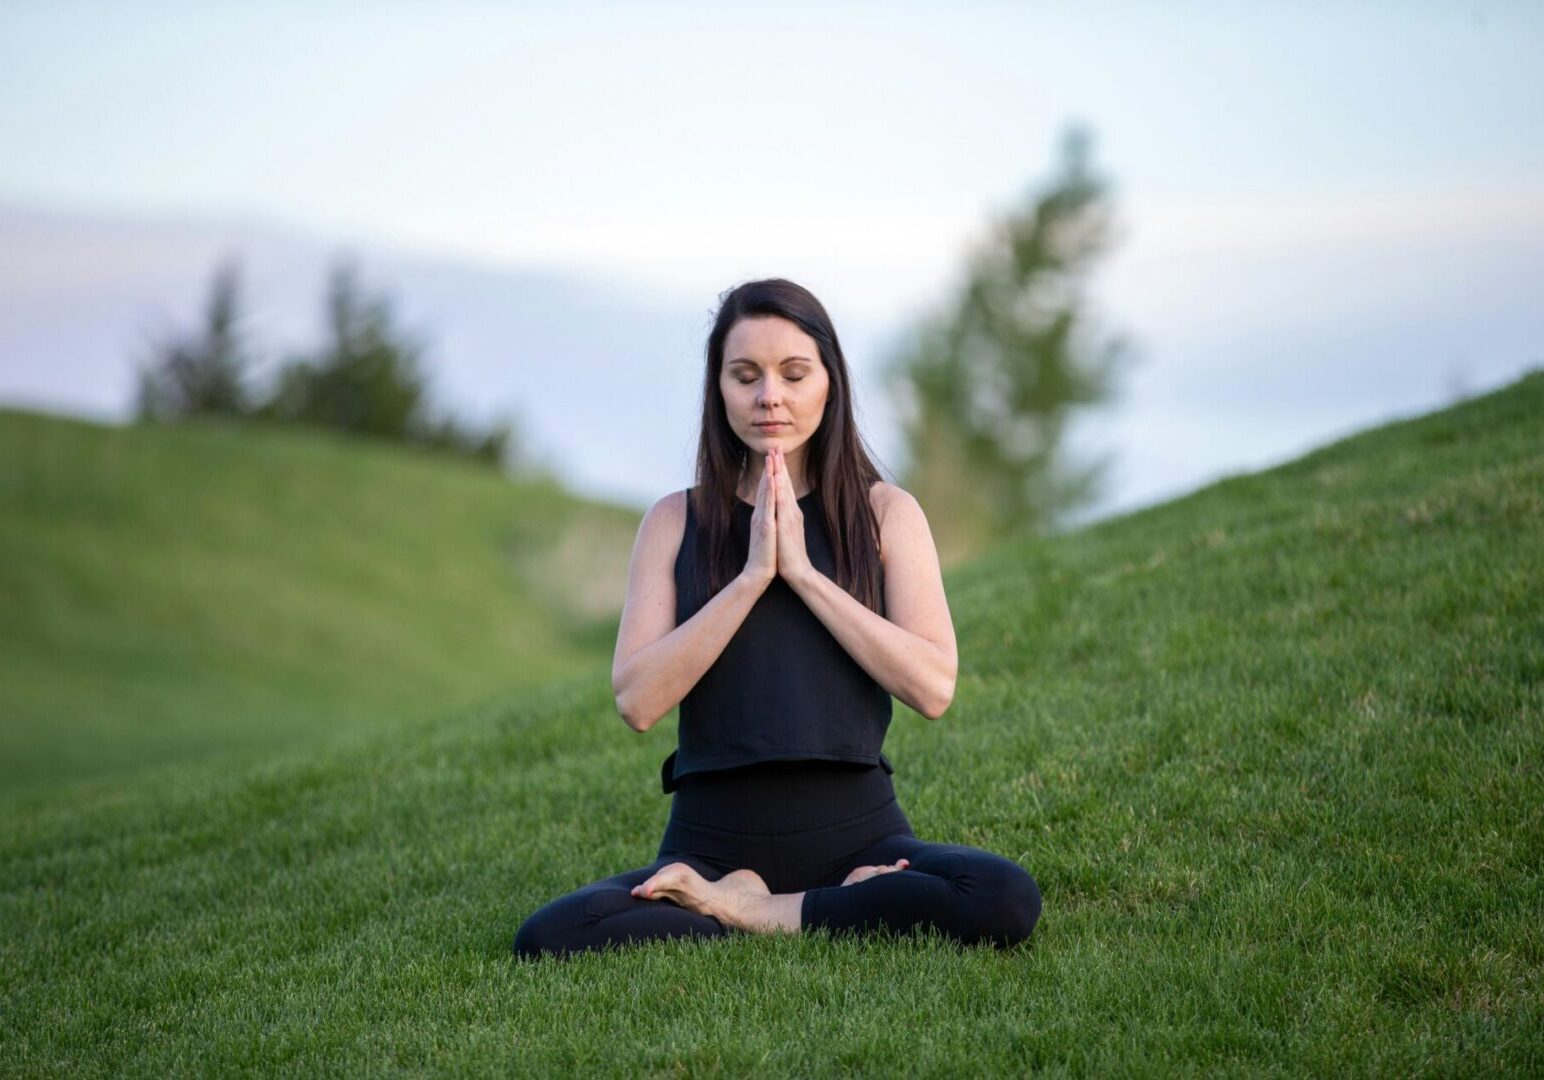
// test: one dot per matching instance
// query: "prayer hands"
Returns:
(777, 526)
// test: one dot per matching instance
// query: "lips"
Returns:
(772, 427)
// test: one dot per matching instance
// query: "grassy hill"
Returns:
(1275, 752)
(170, 592)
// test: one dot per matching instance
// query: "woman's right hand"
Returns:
(761, 561)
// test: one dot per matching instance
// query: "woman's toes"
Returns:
(665, 875)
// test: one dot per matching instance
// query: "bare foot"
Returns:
(863, 873)
(726, 899)
(743, 885)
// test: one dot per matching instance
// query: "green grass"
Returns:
(1273, 752)
(167, 593)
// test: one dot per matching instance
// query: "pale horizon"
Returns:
(1330, 217)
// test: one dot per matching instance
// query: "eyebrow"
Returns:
(784, 360)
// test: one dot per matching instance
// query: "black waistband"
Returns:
(781, 796)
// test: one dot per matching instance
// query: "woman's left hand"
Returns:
(863, 873)
(793, 561)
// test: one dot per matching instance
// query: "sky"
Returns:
(1330, 210)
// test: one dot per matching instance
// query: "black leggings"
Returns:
(802, 826)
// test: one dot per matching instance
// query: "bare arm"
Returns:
(910, 650)
(657, 662)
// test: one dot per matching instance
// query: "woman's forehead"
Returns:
(768, 339)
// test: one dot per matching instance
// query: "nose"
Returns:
(769, 396)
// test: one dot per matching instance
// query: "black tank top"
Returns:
(783, 688)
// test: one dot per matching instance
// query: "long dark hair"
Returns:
(837, 460)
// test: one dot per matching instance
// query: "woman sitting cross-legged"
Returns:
(782, 602)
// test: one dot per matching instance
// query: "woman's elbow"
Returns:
(635, 715)
(627, 706)
(937, 708)
(935, 703)
(631, 716)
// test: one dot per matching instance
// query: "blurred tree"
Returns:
(986, 387)
(204, 372)
(497, 445)
(364, 378)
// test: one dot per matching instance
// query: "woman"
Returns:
(781, 603)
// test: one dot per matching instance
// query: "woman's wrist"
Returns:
(798, 579)
(756, 581)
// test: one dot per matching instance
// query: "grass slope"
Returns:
(167, 592)
(1273, 752)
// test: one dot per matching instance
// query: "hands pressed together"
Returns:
(777, 527)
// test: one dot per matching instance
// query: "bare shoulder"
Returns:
(659, 533)
(664, 522)
(901, 520)
(914, 587)
(882, 495)
(648, 613)
(670, 508)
